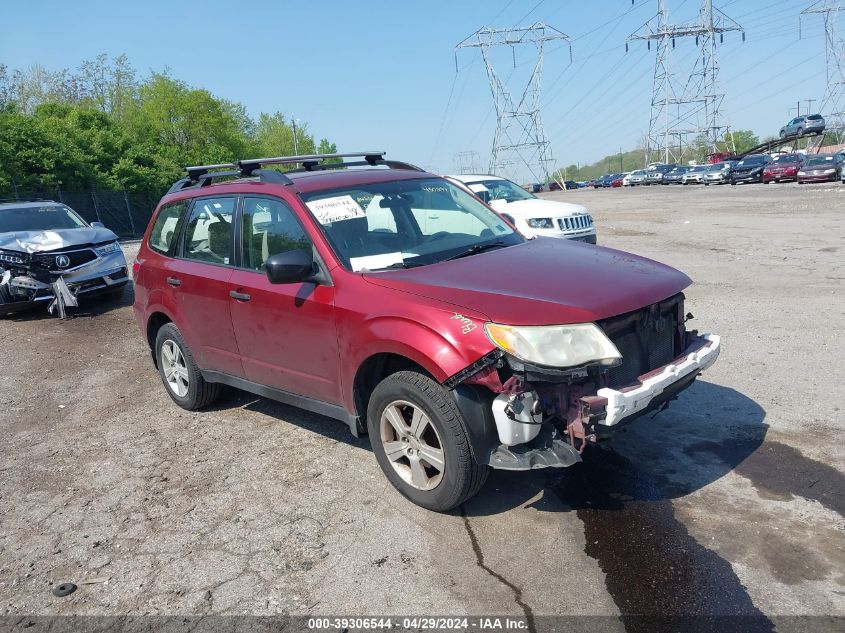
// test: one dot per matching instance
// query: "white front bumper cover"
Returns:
(622, 404)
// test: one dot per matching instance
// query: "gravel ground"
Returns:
(729, 502)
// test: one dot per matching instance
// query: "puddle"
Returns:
(653, 567)
(780, 470)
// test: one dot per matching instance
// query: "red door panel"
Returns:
(203, 298)
(286, 335)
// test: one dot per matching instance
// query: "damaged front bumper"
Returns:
(641, 396)
(23, 287)
(545, 425)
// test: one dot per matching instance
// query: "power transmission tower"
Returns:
(692, 109)
(467, 162)
(520, 137)
(833, 102)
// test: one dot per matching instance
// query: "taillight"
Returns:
(136, 267)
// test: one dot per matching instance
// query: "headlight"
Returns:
(11, 258)
(829, 171)
(555, 345)
(108, 249)
(540, 223)
(802, 173)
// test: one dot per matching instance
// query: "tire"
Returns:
(197, 393)
(409, 394)
(783, 134)
(800, 132)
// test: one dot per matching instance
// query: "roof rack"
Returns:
(202, 175)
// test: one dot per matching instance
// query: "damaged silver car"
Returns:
(50, 256)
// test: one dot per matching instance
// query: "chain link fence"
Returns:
(125, 213)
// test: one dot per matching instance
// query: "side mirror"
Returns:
(98, 225)
(290, 267)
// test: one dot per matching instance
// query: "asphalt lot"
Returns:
(730, 502)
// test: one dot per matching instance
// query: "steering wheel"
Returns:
(436, 236)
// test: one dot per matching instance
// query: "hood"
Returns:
(40, 241)
(543, 281)
(538, 208)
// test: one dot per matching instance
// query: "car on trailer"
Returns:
(392, 299)
(803, 125)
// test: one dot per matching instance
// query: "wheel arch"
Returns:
(155, 322)
(371, 372)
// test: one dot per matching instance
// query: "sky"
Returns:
(381, 75)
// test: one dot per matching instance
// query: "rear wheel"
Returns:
(420, 441)
(179, 373)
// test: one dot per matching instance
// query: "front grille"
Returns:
(647, 339)
(576, 223)
(47, 261)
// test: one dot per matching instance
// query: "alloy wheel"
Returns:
(174, 367)
(412, 445)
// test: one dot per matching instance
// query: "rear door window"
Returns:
(166, 227)
(208, 235)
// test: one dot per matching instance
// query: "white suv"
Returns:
(530, 214)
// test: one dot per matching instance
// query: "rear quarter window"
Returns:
(166, 227)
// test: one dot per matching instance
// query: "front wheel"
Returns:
(420, 441)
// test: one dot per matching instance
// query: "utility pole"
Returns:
(520, 138)
(833, 102)
(295, 142)
(675, 107)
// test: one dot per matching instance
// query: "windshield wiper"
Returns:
(401, 265)
(477, 248)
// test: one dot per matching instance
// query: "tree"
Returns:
(110, 85)
(738, 141)
(103, 127)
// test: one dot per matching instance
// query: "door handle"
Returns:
(173, 281)
(240, 296)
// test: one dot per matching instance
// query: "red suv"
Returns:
(378, 294)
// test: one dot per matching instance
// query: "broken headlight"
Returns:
(108, 249)
(540, 223)
(555, 345)
(7, 257)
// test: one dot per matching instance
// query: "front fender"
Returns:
(442, 342)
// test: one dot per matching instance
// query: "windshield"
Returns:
(751, 160)
(39, 219)
(495, 189)
(788, 158)
(718, 167)
(820, 160)
(406, 223)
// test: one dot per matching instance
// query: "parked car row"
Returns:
(753, 168)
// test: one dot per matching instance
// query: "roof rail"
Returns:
(309, 161)
(202, 175)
